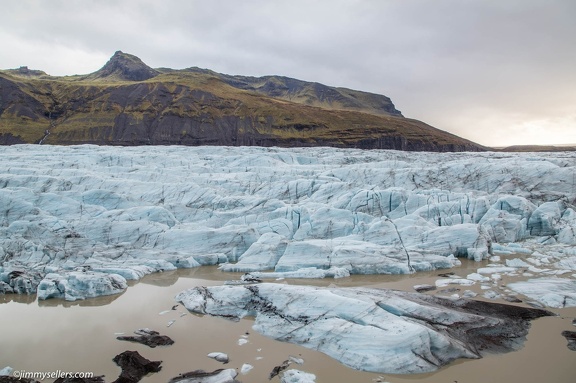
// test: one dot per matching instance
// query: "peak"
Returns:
(124, 66)
(121, 55)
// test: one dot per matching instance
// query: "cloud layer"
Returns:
(498, 73)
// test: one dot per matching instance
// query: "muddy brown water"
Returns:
(81, 336)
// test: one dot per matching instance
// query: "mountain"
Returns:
(128, 103)
(124, 67)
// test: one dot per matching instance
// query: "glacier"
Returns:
(82, 221)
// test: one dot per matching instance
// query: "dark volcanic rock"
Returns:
(12, 379)
(134, 366)
(9, 139)
(148, 337)
(278, 369)
(571, 338)
(95, 379)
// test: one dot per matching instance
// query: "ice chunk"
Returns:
(74, 285)
(296, 376)
(516, 262)
(551, 292)
(219, 356)
(545, 219)
(423, 288)
(368, 329)
(20, 281)
(454, 281)
(495, 269)
(200, 376)
(305, 273)
(246, 368)
(261, 255)
(477, 277)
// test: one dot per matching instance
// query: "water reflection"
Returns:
(90, 302)
(213, 273)
(162, 279)
(17, 298)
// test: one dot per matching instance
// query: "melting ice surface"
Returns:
(78, 221)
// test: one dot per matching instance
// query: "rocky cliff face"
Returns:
(128, 103)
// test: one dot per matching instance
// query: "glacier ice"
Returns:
(74, 285)
(200, 376)
(297, 376)
(133, 211)
(6, 371)
(219, 356)
(246, 368)
(551, 292)
(370, 329)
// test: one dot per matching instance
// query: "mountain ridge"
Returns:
(127, 102)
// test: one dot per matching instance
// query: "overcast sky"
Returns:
(498, 72)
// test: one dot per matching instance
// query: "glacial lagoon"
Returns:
(81, 336)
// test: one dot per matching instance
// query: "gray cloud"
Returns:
(485, 70)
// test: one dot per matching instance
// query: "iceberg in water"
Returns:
(375, 330)
(76, 285)
(551, 292)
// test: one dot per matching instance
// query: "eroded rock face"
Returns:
(375, 330)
